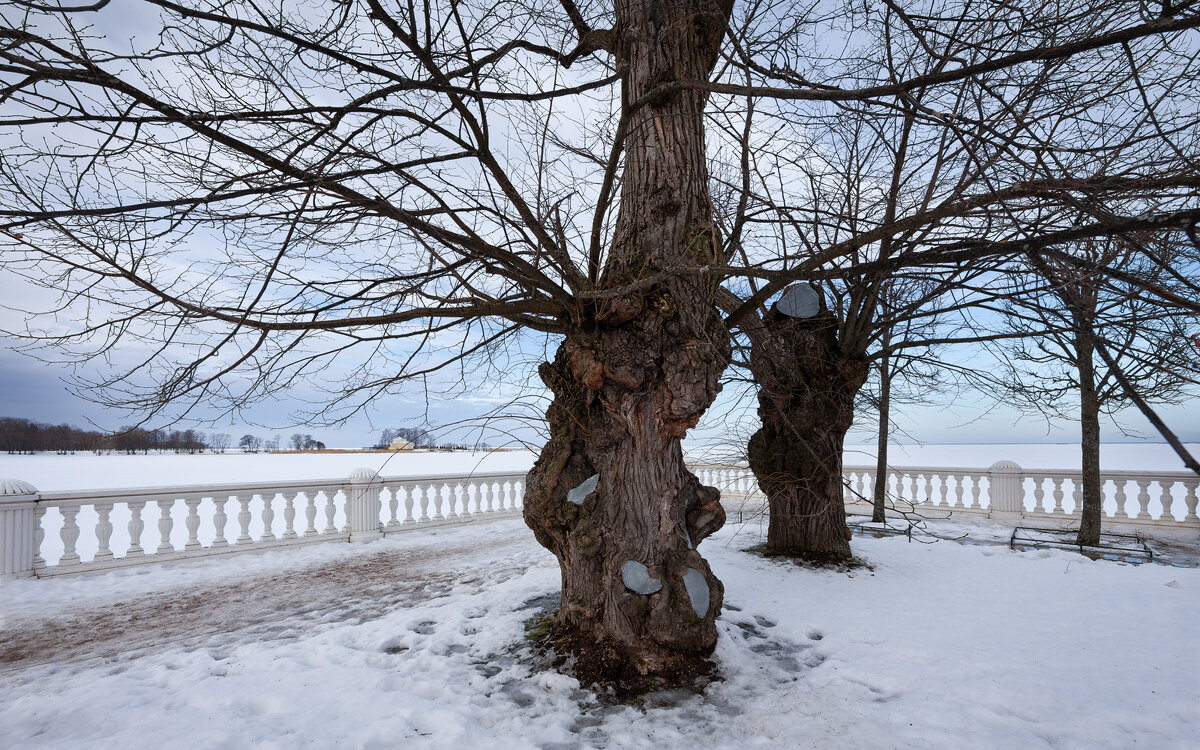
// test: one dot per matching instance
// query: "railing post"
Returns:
(17, 503)
(1006, 490)
(363, 505)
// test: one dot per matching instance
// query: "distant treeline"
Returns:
(27, 436)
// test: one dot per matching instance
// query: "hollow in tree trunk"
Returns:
(634, 373)
(806, 388)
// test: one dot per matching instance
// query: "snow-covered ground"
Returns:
(416, 641)
(86, 471)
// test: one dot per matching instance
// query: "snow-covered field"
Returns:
(416, 641)
(86, 471)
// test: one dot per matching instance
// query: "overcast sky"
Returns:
(36, 390)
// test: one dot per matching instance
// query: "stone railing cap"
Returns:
(363, 474)
(16, 487)
(1005, 465)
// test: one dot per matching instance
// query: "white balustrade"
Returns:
(1003, 491)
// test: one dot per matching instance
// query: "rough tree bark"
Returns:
(806, 388)
(1089, 420)
(634, 373)
(879, 497)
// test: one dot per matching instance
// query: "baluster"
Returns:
(1056, 491)
(289, 515)
(268, 517)
(471, 490)
(460, 493)
(944, 481)
(165, 524)
(393, 508)
(39, 535)
(1120, 498)
(454, 514)
(1039, 494)
(1189, 500)
(914, 488)
(432, 502)
(136, 527)
(192, 523)
(310, 513)
(958, 489)
(1166, 498)
(104, 530)
(485, 496)
(1077, 493)
(330, 512)
(1058, 499)
(244, 519)
(975, 489)
(423, 504)
(69, 533)
(219, 519)
(518, 494)
(1143, 499)
(408, 503)
(929, 490)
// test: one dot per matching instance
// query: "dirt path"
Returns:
(286, 604)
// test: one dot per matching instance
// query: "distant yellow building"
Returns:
(400, 444)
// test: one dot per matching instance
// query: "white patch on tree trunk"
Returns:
(637, 579)
(585, 488)
(697, 591)
(799, 301)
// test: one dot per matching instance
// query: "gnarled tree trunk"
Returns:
(635, 373)
(806, 389)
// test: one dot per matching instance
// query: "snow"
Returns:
(416, 641)
(1142, 456)
(87, 471)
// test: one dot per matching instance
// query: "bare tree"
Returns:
(947, 182)
(1066, 314)
(260, 193)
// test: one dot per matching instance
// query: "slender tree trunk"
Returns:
(806, 389)
(1089, 418)
(634, 374)
(878, 514)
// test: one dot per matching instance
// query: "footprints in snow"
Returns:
(788, 656)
